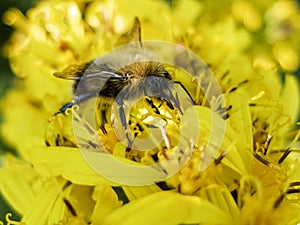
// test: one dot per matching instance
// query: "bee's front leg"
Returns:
(76, 100)
(124, 122)
(64, 108)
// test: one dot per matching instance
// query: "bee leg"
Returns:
(172, 97)
(103, 121)
(169, 104)
(102, 118)
(124, 122)
(186, 91)
(77, 99)
(66, 106)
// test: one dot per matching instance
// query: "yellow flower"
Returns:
(235, 148)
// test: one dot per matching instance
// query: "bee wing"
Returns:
(73, 72)
(89, 78)
(85, 71)
(95, 80)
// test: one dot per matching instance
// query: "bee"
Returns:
(125, 75)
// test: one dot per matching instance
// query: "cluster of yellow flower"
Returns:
(252, 47)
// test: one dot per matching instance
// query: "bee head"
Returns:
(155, 85)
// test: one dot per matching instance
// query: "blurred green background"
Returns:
(6, 81)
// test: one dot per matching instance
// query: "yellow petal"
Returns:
(239, 131)
(80, 196)
(221, 197)
(167, 208)
(15, 127)
(80, 199)
(220, 136)
(58, 211)
(17, 181)
(240, 119)
(134, 192)
(42, 204)
(203, 126)
(65, 161)
(106, 201)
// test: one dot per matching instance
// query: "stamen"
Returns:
(88, 127)
(206, 94)
(92, 144)
(67, 184)
(219, 159)
(150, 102)
(259, 95)
(102, 128)
(296, 183)
(163, 186)
(243, 82)
(57, 142)
(290, 190)
(249, 186)
(261, 159)
(293, 191)
(232, 89)
(285, 154)
(236, 86)
(267, 144)
(159, 123)
(70, 207)
(278, 201)
(52, 118)
(217, 104)
(224, 75)
(288, 150)
(202, 150)
(198, 81)
(121, 194)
